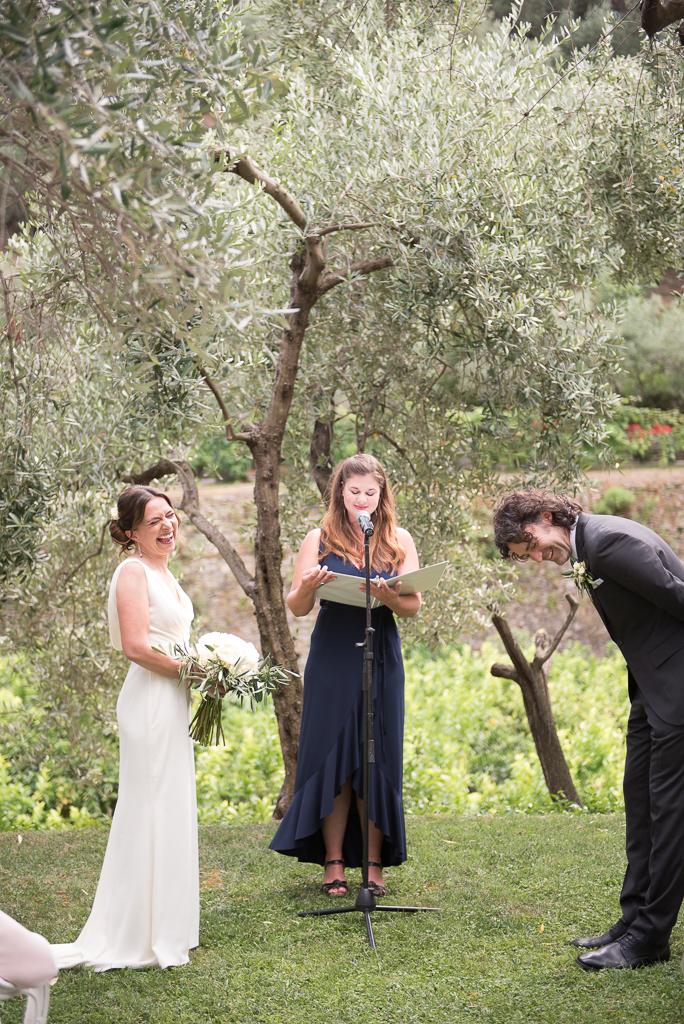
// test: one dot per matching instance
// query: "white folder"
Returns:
(348, 589)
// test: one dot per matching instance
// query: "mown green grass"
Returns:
(512, 888)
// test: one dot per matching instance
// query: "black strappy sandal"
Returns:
(377, 888)
(336, 883)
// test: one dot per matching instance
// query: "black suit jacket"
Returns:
(641, 602)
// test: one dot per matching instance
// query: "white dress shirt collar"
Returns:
(573, 544)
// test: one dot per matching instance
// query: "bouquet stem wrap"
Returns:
(219, 665)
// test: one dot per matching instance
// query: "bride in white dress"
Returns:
(146, 907)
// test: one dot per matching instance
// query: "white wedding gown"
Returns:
(146, 907)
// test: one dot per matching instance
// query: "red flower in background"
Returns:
(636, 430)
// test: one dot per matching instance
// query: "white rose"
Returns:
(230, 650)
(201, 654)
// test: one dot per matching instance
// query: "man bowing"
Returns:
(636, 583)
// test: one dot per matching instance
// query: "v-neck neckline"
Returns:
(176, 585)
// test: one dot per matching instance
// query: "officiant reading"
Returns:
(323, 823)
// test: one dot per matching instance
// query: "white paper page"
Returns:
(348, 589)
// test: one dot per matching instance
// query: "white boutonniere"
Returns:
(582, 578)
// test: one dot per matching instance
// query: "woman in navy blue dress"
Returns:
(323, 823)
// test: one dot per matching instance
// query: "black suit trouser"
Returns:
(653, 887)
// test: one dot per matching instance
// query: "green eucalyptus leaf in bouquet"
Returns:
(222, 665)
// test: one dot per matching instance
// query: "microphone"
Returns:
(366, 524)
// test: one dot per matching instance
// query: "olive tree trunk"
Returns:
(658, 14)
(531, 677)
(310, 279)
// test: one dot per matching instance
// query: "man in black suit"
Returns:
(636, 583)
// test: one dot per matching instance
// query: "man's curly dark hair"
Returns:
(514, 511)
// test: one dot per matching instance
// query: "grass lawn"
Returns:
(512, 889)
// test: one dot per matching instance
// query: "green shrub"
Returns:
(467, 747)
(242, 779)
(646, 435)
(653, 353)
(60, 782)
(616, 501)
(216, 457)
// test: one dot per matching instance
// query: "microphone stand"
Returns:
(365, 899)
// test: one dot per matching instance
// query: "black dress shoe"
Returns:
(626, 952)
(616, 931)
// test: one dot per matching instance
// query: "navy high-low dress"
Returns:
(330, 745)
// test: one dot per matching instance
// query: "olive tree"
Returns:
(394, 245)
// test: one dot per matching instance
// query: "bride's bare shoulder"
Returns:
(130, 569)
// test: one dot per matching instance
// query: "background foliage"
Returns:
(579, 22)
(652, 334)
(467, 748)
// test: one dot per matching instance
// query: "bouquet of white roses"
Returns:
(220, 664)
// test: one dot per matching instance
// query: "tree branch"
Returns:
(395, 444)
(505, 672)
(189, 504)
(361, 226)
(359, 269)
(513, 650)
(315, 263)
(248, 171)
(319, 452)
(162, 468)
(231, 434)
(543, 656)
(213, 387)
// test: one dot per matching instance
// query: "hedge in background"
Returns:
(467, 746)
(646, 435)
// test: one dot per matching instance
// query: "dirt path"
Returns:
(221, 605)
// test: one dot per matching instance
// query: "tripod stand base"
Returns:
(366, 905)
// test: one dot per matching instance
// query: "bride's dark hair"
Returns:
(130, 507)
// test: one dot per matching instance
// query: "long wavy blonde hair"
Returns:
(338, 534)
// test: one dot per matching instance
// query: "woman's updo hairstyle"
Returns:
(130, 509)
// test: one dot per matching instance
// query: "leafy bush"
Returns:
(616, 501)
(653, 353)
(646, 435)
(467, 747)
(633, 434)
(242, 779)
(584, 20)
(214, 456)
